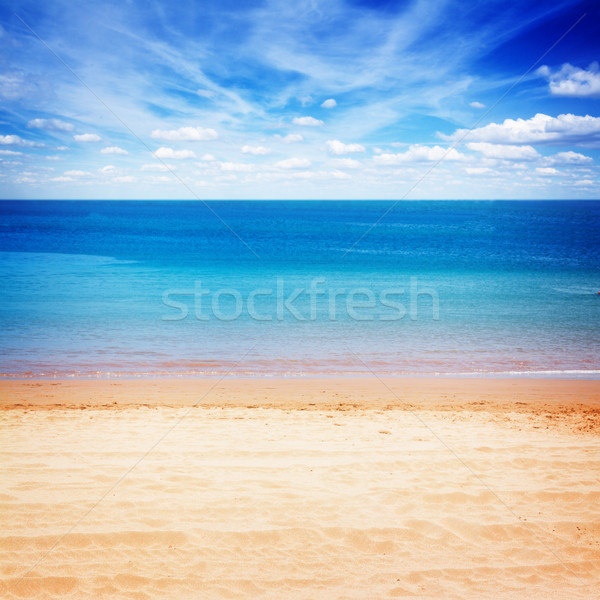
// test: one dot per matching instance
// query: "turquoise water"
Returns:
(149, 288)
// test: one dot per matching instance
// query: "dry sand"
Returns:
(308, 488)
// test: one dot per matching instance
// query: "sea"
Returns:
(300, 288)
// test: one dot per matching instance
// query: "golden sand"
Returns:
(300, 488)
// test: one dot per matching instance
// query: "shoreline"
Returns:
(301, 393)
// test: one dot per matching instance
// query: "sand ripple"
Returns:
(269, 503)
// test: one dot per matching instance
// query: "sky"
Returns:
(315, 99)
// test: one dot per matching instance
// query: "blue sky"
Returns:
(306, 99)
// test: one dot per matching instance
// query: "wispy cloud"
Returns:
(333, 79)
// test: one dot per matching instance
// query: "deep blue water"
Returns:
(95, 287)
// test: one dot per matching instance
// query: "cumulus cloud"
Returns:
(113, 150)
(290, 138)
(293, 163)
(307, 121)
(87, 137)
(569, 158)
(337, 147)
(158, 168)
(177, 154)
(329, 103)
(546, 171)
(107, 169)
(50, 124)
(418, 153)
(346, 163)
(573, 81)
(477, 170)
(185, 134)
(258, 150)
(540, 129)
(15, 140)
(10, 153)
(207, 157)
(504, 151)
(476, 104)
(236, 167)
(584, 182)
(76, 173)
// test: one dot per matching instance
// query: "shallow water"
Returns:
(272, 288)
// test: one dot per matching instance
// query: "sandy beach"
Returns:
(300, 488)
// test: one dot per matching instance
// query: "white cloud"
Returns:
(76, 173)
(476, 104)
(10, 153)
(346, 163)
(504, 151)
(290, 138)
(418, 153)
(62, 179)
(15, 140)
(113, 150)
(108, 169)
(50, 124)
(293, 163)
(258, 150)
(236, 167)
(540, 129)
(207, 157)
(546, 171)
(307, 121)
(477, 170)
(158, 168)
(569, 158)
(124, 179)
(340, 175)
(87, 137)
(185, 134)
(329, 103)
(572, 81)
(584, 182)
(177, 154)
(337, 147)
